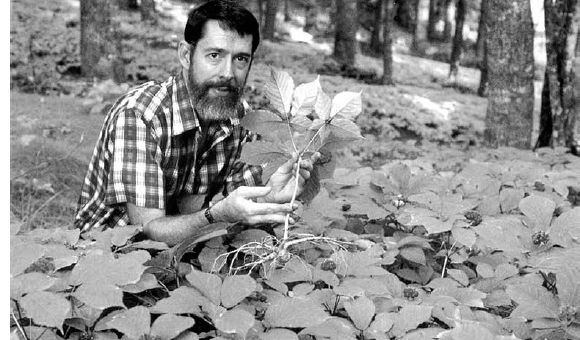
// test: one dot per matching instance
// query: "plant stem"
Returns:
(18, 326)
(287, 220)
(312, 140)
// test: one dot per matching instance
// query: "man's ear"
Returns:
(183, 53)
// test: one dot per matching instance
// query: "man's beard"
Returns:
(216, 108)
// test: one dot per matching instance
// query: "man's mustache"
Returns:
(229, 84)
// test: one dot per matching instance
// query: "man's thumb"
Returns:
(253, 192)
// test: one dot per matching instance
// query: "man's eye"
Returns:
(213, 55)
(242, 59)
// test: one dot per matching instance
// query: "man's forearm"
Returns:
(174, 229)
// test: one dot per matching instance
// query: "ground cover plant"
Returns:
(405, 251)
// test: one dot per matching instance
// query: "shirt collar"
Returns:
(184, 115)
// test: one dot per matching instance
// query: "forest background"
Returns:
(450, 95)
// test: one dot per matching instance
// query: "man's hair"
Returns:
(228, 13)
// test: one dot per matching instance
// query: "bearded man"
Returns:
(167, 148)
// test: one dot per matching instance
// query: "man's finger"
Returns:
(273, 218)
(252, 192)
(270, 208)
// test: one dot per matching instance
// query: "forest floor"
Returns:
(423, 119)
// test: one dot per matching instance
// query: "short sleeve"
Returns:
(135, 174)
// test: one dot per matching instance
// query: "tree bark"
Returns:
(260, 4)
(148, 10)
(420, 28)
(375, 44)
(404, 13)
(435, 14)
(345, 45)
(449, 16)
(388, 43)
(287, 16)
(481, 49)
(457, 47)
(270, 24)
(128, 4)
(510, 48)
(558, 113)
(311, 18)
(99, 42)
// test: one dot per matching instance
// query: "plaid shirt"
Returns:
(151, 151)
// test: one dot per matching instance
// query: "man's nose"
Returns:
(227, 70)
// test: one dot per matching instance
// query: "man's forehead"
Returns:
(218, 35)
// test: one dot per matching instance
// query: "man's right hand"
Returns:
(238, 206)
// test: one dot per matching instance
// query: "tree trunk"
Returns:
(345, 46)
(481, 31)
(457, 48)
(434, 17)
(287, 16)
(558, 113)
(481, 49)
(388, 43)
(311, 18)
(148, 10)
(99, 43)
(128, 5)
(375, 44)
(260, 4)
(420, 28)
(270, 24)
(510, 52)
(404, 13)
(449, 16)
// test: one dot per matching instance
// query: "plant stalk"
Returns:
(287, 220)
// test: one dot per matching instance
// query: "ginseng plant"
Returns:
(301, 120)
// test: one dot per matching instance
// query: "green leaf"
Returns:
(99, 295)
(30, 283)
(346, 105)
(46, 308)
(408, 318)
(364, 263)
(168, 326)
(61, 255)
(183, 300)
(345, 129)
(361, 311)
(147, 281)
(538, 210)
(279, 89)
(459, 276)
(236, 288)
(464, 236)
(323, 105)
(505, 270)
(295, 313)
(484, 270)
(468, 331)
(565, 230)
(266, 124)
(279, 334)
(382, 323)
(400, 175)
(209, 285)
(250, 235)
(466, 296)
(305, 97)
(187, 336)
(332, 328)
(235, 321)
(22, 255)
(294, 270)
(413, 254)
(534, 302)
(509, 199)
(504, 233)
(103, 268)
(122, 235)
(133, 322)
(424, 333)
(567, 280)
(261, 153)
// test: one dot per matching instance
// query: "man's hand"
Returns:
(283, 180)
(239, 207)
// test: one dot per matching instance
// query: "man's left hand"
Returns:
(283, 181)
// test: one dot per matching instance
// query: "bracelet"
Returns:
(208, 216)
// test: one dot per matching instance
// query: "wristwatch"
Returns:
(208, 215)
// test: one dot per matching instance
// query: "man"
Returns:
(166, 149)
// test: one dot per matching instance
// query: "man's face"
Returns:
(218, 68)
